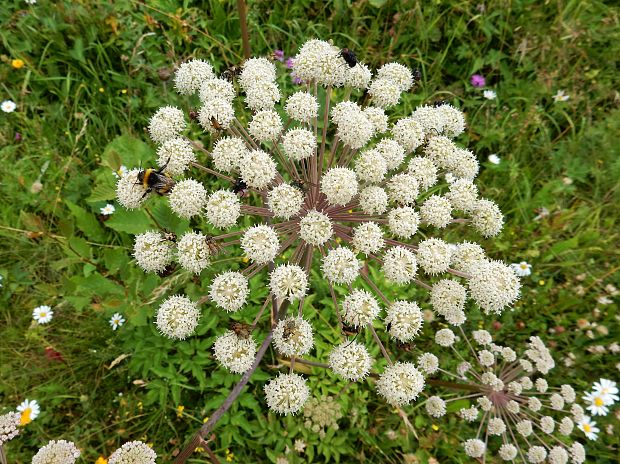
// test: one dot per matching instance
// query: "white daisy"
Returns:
(522, 269)
(608, 389)
(8, 106)
(596, 403)
(489, 94)
(494, 159)
(588, 427)
(107, 209)
(30, 411)
(116, 321)
(560, 96)
(42, 314)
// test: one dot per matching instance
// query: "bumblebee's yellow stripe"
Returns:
(145, 179)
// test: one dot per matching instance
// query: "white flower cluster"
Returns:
(57, 451)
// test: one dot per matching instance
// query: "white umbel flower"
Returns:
(434, 256)
(257, 169)
(442, 151)
(129, 192)
(462, 194)
(397, 73)
(358, 76)
(403, 221)
(354, 128)
(215, 88)
(464, 164)
(315, 228)
(256, 70)
(177, 317)
(351, 361)
(496, 426)
(288, 281)
(465, 255)
(482, 337)
(428, 363)
(359, 308)
(577, 453)
(176, 154)
(223, 208)
(536, 454)
(262, 96)
(341, 266)
(133, 452)
(424, 170)
(193, 251)
(367, 238)
(190, 76)
(9, 424)
(436, 211)
(486, 218)
(152, 252)
(445, 338)
(435, 407)
(266, 125)
(400, 384)
(493, 285)
(474, 448)
(302, 106)
(318, 60)
(299, 144)
(228, 153)
(399, 265)
(453, 120)
(293, 337)
(403, 189)
(448, 297)
(167, 123)
(547, 424)
(187, 198)
(260, 243)
(339, 185)
(378, 119)
(384, 92)
(508, 452)
(404, 319)
(408, 133)
(566, 426)
(373, 200)
(235, 353)
(57, 452)
(216, 114)
(558, 455)
(392, 153)
(430, 118)
(285, 201)
(469, 414)
(370, 166)
(229, 290)
(287, 393)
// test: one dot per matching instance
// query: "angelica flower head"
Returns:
(133, 452)
(57, 451)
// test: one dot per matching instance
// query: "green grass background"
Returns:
(93, 71)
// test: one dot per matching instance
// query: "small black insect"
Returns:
(350, 331)
(417, 75)
(230, 73)
(348, 56)
(213, 246)
(168, 270)
(156, 180)
(193, 115)
(408, 347)
(240, 188)
(439, 103)
(170, 236)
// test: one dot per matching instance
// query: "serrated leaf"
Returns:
(128, 150)
(102, 192)
(131, 222)
(86, 222)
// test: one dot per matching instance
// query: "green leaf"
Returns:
(86, 222)
(131, 222)
(127, 150)
(96, 284)
(377, 3)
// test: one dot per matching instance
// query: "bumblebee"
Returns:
(350, 331)
(156, 180)
(240, 188)
(348, 56)
(242, 330)
(169, 236)
(230, 73)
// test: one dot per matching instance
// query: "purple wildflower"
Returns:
(278, 55)
(477, 80)
(289, 63)
(296, 80)
(18, 137)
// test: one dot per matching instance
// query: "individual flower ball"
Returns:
(285, 201)
(315, 228)
(540, 355)
(428, 363)
(339, 185)
(193, 251)
(373, 200)
(57, 452)
(424, 171)
(367, 238)
(578, 453)
(403, 221)
(234, 352)
(400, 384)
(152, 251)
(486, 218)
(216, 114)
(453, 120)
(341, 111)
(465, 255)
(445, 338)
(223, 209)
(370, 167)
(474, 448)
(288, 281)
(482, 337)
(408, 133)
(493, 285)
(354, 129)
(257, 169)
(464, 164)
(167, 123)
(434, 256)
(448, 297)
(175, 155)
(318, 60)
(436, 211)
(377, 118)
(558, 455)
(260, 243)
(404, 320)
(403, 189)
(130, 192)
(190, 76)
(133, 452)
(229, 290)
(42, 314)
(359, 308)
(442, 151)
(215, 88)
(287, 393)
(350, 360)
(9, 424)
(397, 73)
(187, 198)
(262, 96)
(462, 194)
(265, 126)
(302, 106)
(430, 118)
(496, 426)
(177, 317)
(392, 153)
(256, 70)
(536, 454)
(384, 93)
(358, 76)
(341, 266)
(299, 144)
(508, 452)
(293, 337)
(435, 407)
(228, 153)
(399, 265)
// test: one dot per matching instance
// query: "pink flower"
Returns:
(477, 80)
(278, 55)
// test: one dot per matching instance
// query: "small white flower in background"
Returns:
(560, 96)
(42, 314)
(29, 410)
(522, 269)
(588, 426)
(489, 94)
(8, 106)
(121, 172)
(31, 2)
(116, 321)
(494, 159)
(1, 279)
(107, 209)
(607, 388)
(604, 300)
